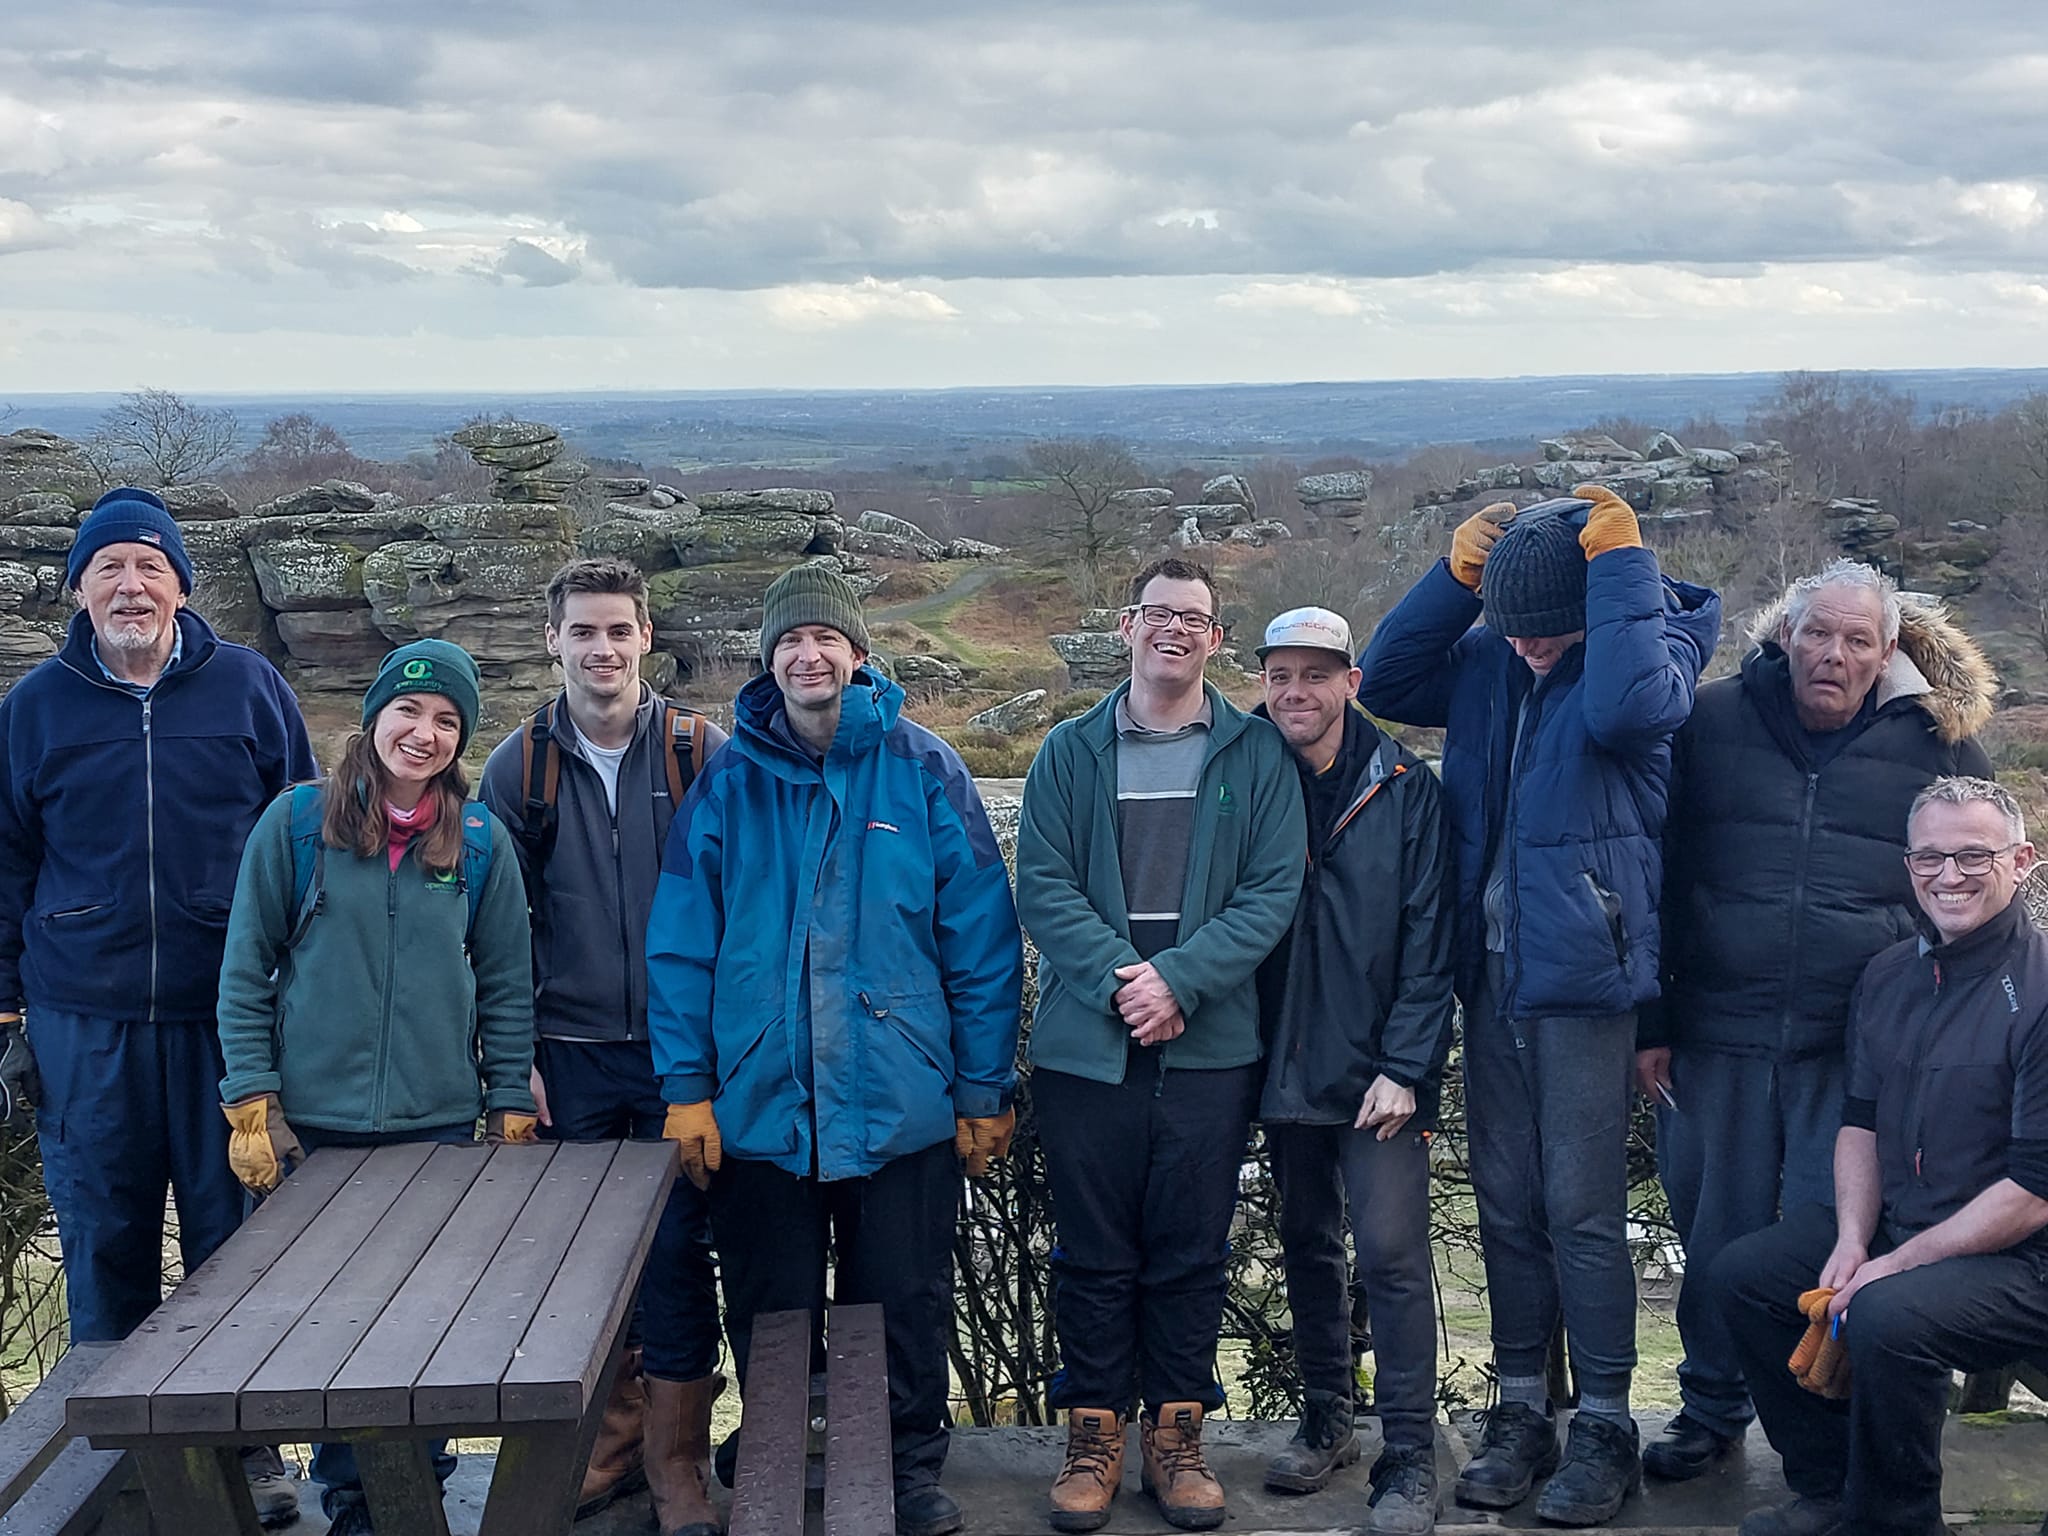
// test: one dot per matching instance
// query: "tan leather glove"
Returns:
(1610, 525)
(1475, 539)
(694, 1129)
(262, 1148)
(503, 1125)
(982, 1140)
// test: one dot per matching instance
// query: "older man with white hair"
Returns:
(1791, 783)
(1933, 1256)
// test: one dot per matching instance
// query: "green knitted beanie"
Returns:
(428, 666)
(810, 594)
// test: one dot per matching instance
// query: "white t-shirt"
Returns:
(606, 761)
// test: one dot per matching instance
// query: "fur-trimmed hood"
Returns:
(1936, 665)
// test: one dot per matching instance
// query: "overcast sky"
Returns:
(640, 194)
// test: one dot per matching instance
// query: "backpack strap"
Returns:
(686, 750)
(309, 860)
(541, 764)
(476, 858)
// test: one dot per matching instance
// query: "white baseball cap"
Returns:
(1316, 629)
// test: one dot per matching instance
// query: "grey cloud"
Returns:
(526, 262)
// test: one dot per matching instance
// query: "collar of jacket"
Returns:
(1937, 667)
(1098, 727)
(571, 739)
(868, 708)
(1367, 754)
(1980, 948)
(198, 636)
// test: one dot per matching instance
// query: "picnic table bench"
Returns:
(787, 1410)
(390, 1297)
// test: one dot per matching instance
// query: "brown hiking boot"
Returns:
(1093, 1469)
(615, 1468)
(1174, 1472)
(678, 1452)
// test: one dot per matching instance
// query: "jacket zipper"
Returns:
(149, 820)
(1917, 1079)
(1798, 912)
(1525, 729)
(390, 978)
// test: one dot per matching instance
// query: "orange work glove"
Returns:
(1821, 1362)
(1610, 525)
(1474, 538)
(503, 1125)
(980, 1141)
(262, 1148)
(694, 1129)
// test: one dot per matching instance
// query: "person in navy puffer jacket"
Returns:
(1558, 714)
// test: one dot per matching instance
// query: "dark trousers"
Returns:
(890, 1236)
(1546, 1113)
(604, 1090)
(1881, 1450)
(334, 1461)
(1750, 1138)
(1144, 1182)
(128, 1110)
(1323, 1171)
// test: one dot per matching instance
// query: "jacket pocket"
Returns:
(1609, 906)
(907, 1087)
(1958, 1138)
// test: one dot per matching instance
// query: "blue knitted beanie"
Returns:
(128, 515)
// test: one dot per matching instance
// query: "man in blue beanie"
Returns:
(1558, 714)
(132, 765)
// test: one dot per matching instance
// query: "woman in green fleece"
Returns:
(378, 981)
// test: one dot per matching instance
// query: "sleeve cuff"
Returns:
(1859, 1115)
(2026, 1164)
(233, 1090)
(518, 1101)
(1399, 1075)
(978, 1101)
(688, 1087)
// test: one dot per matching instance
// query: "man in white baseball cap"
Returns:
(1356, 1007)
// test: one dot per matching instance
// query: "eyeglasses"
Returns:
(1928, 862)
(1158, 616)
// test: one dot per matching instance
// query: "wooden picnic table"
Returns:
(391, 1297)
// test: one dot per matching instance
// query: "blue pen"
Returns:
(1835, 1328)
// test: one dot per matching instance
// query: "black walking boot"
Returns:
(1519, 1446)
(1602, 1464)
(1685, 1450)
(1325, 1441)
(1404, 1493)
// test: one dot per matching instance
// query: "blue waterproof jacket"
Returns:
(833, 949)
(1580, 807)
(122, 821)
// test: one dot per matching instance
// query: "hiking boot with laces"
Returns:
(1685, 1449)
(1174, 1471)
(1519, 1446)
(1093, 1470)
(271, 1487)
(1325, 1441)
(1404, 1492)
(1602, 1464)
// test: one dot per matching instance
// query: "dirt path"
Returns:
(924, 607)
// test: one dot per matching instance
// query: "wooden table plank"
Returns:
(768, 1487)
(558, 1363)
(288, 1392)
(79, 1487)
(460, 1383)
(116, 1400)
(374, 1387)
(860, 1483)
(204, 1392)
(36, 1432)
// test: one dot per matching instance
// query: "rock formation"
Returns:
(1335, 503)
(1667, 481)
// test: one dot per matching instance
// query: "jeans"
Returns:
(1547, 1111)
(334, 1461)
(129, 1109)
(1144, 1182)
(1323, 1171)
(1749, 1137)
(604, 1090)
(892, 1236)
(1880, 1451)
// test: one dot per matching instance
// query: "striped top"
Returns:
(1158, 776)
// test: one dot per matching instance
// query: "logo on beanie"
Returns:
(150, 536)
(418, 670)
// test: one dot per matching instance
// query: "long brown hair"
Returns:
(352, 815)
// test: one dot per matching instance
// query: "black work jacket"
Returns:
(1784, 876)
(1948, 1064)
(1361, 984)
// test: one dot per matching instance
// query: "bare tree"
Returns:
(161, 438)
(1086, 523)
(2022, 569)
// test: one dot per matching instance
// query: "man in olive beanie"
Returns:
(834, 975)
(429, 666)
(1557, 715)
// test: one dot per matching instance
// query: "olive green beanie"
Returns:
(810, 594)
